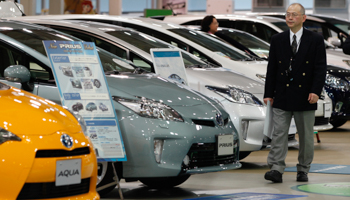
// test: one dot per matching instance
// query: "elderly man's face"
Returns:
(294, 17)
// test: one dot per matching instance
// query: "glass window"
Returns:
(12, 56)
(208, 43)
(109, 61)
(254, 44)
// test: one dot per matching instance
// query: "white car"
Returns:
(337, 84)
(240, 96)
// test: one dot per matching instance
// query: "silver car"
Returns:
(162, 150)
(241, 96)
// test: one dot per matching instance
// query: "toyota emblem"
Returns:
(67, 141)
(219, 119)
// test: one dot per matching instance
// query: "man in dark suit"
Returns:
(294, 80)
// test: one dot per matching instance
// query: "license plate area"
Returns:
(224, 145)
(68, 172)
(327, 110)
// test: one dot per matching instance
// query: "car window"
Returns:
(253, 43)
(34, 39)
(12, 56)
(193, 22)
(259, 30)
(313, 26)
(210, 44)
(98, 42)
(139, 62)
(141, 41)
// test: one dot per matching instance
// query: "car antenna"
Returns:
(16, 1)
(171, 8)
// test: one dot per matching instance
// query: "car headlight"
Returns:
(150, 108)
(336, 82)
(6, 135)
(236, 95)
(80, 119)
(261, 77)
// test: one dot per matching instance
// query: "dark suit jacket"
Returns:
(308, 71)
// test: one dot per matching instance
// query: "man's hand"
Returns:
(269, 99)
(313, 98)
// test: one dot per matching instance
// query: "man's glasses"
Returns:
(292, 14)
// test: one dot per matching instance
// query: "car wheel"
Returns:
(105, 176)
(97, 83)
(164, 182)
(243, 154)
(338, 122)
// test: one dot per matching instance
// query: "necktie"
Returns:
(294, 45)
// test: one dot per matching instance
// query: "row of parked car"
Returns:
(223, 96)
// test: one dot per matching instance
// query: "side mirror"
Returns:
(17, 73)
(20, 74)
(334, 41)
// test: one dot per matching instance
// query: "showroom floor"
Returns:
(248, 182)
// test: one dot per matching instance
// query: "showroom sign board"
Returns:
(169, 64)
(83, 88)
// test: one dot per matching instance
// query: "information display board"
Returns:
(83, 88)
(169, 64)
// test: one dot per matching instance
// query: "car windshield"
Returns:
(256, 45)
(282, 25)
(210, 44)
(146, 43)
(33, 38)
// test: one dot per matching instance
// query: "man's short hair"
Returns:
(302, 9)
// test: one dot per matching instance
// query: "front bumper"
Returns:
(249, 122)
(340, 103)
(139, 134)
(30, 169)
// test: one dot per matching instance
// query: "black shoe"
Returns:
(274, 176)
(302, 177)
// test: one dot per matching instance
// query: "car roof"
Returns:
(98, 29)
(13, 25)
(271, 14)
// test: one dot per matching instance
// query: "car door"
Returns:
(42, 82)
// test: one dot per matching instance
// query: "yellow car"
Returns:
(44, 153)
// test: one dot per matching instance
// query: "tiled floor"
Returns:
(333, 149)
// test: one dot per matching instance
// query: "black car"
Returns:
(78, 106)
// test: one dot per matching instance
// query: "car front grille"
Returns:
(210, 123)
(49, 190)
(205, 155)
(62, 153)
(321, 121)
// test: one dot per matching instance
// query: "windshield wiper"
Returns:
(112, 72)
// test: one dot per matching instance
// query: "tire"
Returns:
(106, 176)
(338, 122)
(243, 154)
(164, 182)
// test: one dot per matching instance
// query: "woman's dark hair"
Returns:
(207, 20)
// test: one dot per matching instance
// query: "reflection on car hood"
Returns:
(153, 87)
(336, 58)
(222, 78)
(25, 114)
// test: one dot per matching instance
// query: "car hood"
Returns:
(153, 87)
(221, 77)
(338, 59)
(25, 114)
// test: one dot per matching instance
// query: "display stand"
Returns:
(112, 183)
